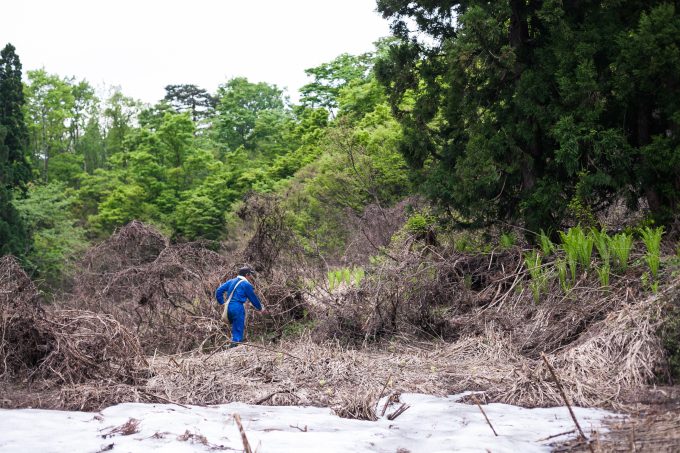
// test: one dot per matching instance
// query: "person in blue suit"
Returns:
(238, 290)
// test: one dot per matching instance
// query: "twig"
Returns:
(243, 343)
(262, 400)
(485, 417)
(153, 395)
(381, 393)
(393, 397)
(246, 444)
(304, 430)
(267, 349)
(556, 435)
(566, 401)
(398, 412)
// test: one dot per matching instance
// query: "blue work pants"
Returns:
(236, 313)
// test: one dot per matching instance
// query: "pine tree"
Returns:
(15, 170)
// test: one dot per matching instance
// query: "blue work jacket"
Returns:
(243, 292)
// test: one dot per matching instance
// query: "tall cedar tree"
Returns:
(15, 170)
(527, 110)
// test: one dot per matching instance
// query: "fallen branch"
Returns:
(262, 400)
(556, 435)
(246, 444)
(566, 401)
(381, 394)
(242, 343)
(485, 417)
(398, 412)
(392, 399)
(153, 395)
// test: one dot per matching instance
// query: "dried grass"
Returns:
(427, 320)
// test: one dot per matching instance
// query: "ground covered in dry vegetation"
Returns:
(139, 323)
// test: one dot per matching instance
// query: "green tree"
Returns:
(192, 99)
(49, 107)
(15, 170)
(84, 108)
(57, 240)
(330, 78)
(91, 146)
(239, 104)
(119, 112)
(514, 110)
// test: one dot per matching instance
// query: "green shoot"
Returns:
(347, 276)
(578, 247)
(620, 246)
(507, 240)
(547, 247)
(359, 274)
(601, 241)
(539, 278)
(603, 274)
(561, 266)
(652, 240)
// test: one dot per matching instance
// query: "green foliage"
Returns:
(330, 78)
(561, 266)
(357, 166)
(652, 240)
(547, 246)
(48, 214)
(49, 103)
(620, 246)
(522, 110)
(539, 276)
(506, 240)
(14, 168)
(359, 275)
(578, 247)
(418, 224)
(601, 240)
(346, 277)
(603, 272)
(239, 105)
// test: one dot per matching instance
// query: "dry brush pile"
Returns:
(164, 292)
(604, 342)
(45, 346)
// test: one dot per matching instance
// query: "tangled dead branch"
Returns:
(165, 292)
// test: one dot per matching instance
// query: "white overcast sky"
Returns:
(144, 45)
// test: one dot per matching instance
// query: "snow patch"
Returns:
(430, 424)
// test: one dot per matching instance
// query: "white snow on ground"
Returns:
(431, 424)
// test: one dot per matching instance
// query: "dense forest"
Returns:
(532, 114)
(527, 113)
(504, 173)
(80, 166)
